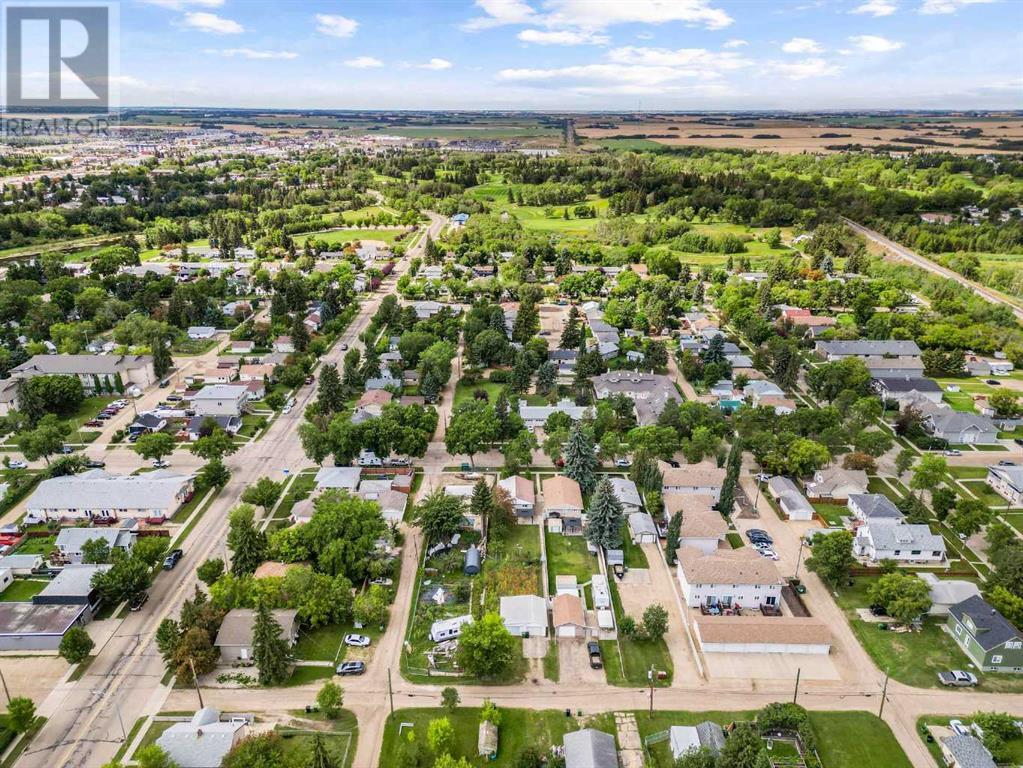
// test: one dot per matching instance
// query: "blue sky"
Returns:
(573, 54)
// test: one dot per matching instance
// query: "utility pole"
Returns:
(795, 693)
(650, 676)
(195, 679)
(799, 557)
(884, 692)
(390, 691)
(6, 692)
(124, 735)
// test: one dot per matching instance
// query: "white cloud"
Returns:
(335, 26)
(251, 53)
(562, 37)
(436, 64)
(734, 43)
(177, 5)
(594, 16)
(364, 62)
(211, 23)
(802, 45)
(806, 68)
(876, 8)
(931, 7)
(708, 63)
(874, 44)
(499, 13)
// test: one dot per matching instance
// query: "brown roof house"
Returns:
(727, 578)
(563, 505)
(705, 479)
(568, 616)
(763, 634)
(371, 404)
(235, 636)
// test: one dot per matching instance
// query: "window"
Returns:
(959, 629)
(915, 552)
(996, 659)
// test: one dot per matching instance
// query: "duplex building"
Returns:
(220, 400)
(704, 479)
(891, 348)
(727, 578)
(98, 373)
(1007, 482)
(957, 427)
(97, 493)
(900, 542)
(521, 494)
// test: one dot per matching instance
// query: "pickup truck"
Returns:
(957, 678)
(593, 648)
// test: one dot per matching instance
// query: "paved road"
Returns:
(901, 252)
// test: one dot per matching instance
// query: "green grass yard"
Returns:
(343, 236)
(568, 555)
(833, 513)
(23, 590)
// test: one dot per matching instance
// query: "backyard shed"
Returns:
(487, 743)
(472, 561)
(642, 527)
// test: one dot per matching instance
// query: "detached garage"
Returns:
(524, 615)
(642, 527)
(569, 616)
(763, 634)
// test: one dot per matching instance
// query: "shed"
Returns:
(614, 557)
(487, 743)
(590, 748)
(605, 619)
(472, 561)
(643, 529)
(569, 616)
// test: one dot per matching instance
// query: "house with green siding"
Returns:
(986, 636)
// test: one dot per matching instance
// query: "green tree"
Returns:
(320, 758)
(674, 536)
(21, 713)
(929, 472)
(605, 517)
(832, 557)
(370, 607)
(450, 699)
(263, 494)
(214, 474)
(581, 459)
(440, 735)
(518, 452)
(655, 621)
(438, 515)
(270, 650)
(330, 699)
(216, 445)
(969, 517)
(96, 551)
(44, 440)
(155, 445)
(247, 543)
(210, 571)
(160, 350)
(486, 649)
(473, 427)
(482, 502)
(546, 378)
(699, 757)
(153, 756)
(903, 596)
(76, 645)
(126, 578)
(331, 393)
(261, 750)
(744, 749)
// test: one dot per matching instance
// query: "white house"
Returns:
(220, 400)
(704, 479)
(524, 615)
(535, 416)
(702, 528)
(727, 578)
(96, 493)
(790, 499)
(687, 738)
(562, 504)
(1007, 482)
(873, 508)
(197, 332)
(203, 741)
(626, 492)
(642, 528)
(945, 593)
(902, 543)
(522, 495)
(70, 541)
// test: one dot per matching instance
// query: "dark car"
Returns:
(878, 610)
(138, 601)
(95, 464)
(93, 423)
(673, 463)
(992, 382)
(172, 559)
(593, 649)
(758, 535)
(308, 379)
(351, 668)
(1018, 440)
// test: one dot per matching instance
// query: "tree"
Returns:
(263, 494)
(214, 474)
(299, 333)
(216, 445)
(805, 456)
(168, 633)
(21, 713)
(473, 427)
(698, 757)
(320, 758)
(126, 578)
(829, 380)
(943, 500)
(371, 607)
(270, 650)
(744, 749)
(59, 395)
(439, 516)
(440, 735)
(159, 349)
(96, 551)
(674, 536)
(210, 571)
(486, 649)
(571, 334)
(76, 645)
(546, 378)
(969, 517)
(832, 556)
(580, 459)
(45, 439)
(331, 392)
(904, 460)
(450, 699)
(247, 543)
(330, 699)
(153, 756)
(520, 375)
(155, 445)
(261, 750)
(929, 472)
(605, 518)
(655, 621)
(518, 452)
(902, 595)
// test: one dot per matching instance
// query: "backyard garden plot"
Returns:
(512, 566)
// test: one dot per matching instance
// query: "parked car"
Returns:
(351, 668)
(1006, 463)
(136, 603)
(952, 452)
(344, 347)
(286, 410)
(399, 461)
(357, 641)
(878, 610)
(1018, 440)
(382, 581)
(767, 552)
(957, 678)
(103, 417)
(673, 463)
(309, 379)
(761, 477)
(624, 463)
(66, 449)
(95, 464)
(18, 464)
(593, 649)
(134, 438)
(93, 423)
(160, 464)
(959, 728)
(757, 534)
(992, 382)
(172, 559)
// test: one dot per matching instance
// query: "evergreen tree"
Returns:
(370, 364)
(247, 543)
(571, 335)
(674, 536)
(482, 503)
(520, 375)
(270, 651)
(581, 459)
(352, 377)
(299, 333)
(546, 378)
(605, 517)
(502, 409)
(320, 758)
(715, 352)
(527, 321)
(331, 391)
(161, 355)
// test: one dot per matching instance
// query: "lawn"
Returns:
(968, 473)
(568, 555)
(635, 557)
(465, 391)
(734, 539)
(37, 545)
(23, 590)
(877, 485)
(1015, 520)
(324, 643)
(306, 675)
(856, 740)
(638, 657)
(340, 740)
(342, 236)
(520, 728)
(300, 488)
(833, 513)
(984, 492)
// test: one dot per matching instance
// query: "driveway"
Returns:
(574, 663)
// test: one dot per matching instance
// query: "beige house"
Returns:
(563, 505)
(705, 479)
(836, 484)
(568, 616)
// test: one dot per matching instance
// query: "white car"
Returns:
(623, 463)
(18, 464)
(357, 641)
(952, 452)
(959, 728)
(160, 464)
(761, 477)
(767, 552)
(286, 410)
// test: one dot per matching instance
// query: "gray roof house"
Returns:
(70, 541)
(524, 615)
(235, 636)
(590, 748)
(958, 427)
(203, 741)
(871, 507)
(837, 350)
(902, 543)
(97, 493)
(947, 592)
(72, 586)
(649, 391)
(535, 416)
(965, 751)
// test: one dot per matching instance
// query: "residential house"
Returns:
(755, 391)
(863, 348)
(96, 493)
(146, 423)
(874, 508)
(904, 389)
(198, 332)
(204, 741)
(338, 478)
(522, 495)
(234, 640)
(31, 627)
(977, 367)
(259, 372)
(70, 542)
(98, 374)
(211, 376)
(220, 400)
(565, 360)
(965, 751)
(642, 528)
(73, 586)
(535, 416)
(562, 504)
(524, 615)
(945, 593)
(383, 382)
(568, 616)
(727, 578)
(21, 565)
(688, 738)
(649, 391)
(590, 748)
(371, 404)
(704, 479)
(835, 485)
(242, 347)
(1007, 482)
(313, 321)
(459, 220)
(626, 492)
(903, 543)
(986, 636)
(894, 367)
(790, 499)
(957, 427)
(196, 425)
(426, 309)
(284, 344)
(703, 528)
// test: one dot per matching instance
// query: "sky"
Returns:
(573, 54)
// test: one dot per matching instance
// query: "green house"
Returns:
(986, 636)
